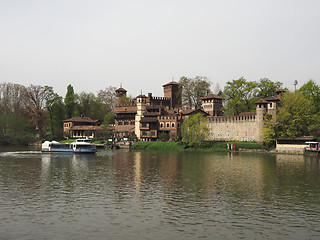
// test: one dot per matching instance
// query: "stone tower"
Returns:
(141, 108)
(119, 93)
(173, 92)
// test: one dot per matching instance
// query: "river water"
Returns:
(143, 195)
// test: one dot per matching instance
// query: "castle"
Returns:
(150, 118)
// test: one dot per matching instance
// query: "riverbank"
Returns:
(204, 147)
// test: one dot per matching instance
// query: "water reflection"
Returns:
(122, 194)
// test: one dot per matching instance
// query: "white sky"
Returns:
(143, 44)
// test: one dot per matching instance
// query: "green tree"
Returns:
(194, 130)
(109, 118)
(69, 102)
(88, 104)
(56, 111)
(193, 89)
(296, 117)
(267, 88)
(311, 91)
(240, 96)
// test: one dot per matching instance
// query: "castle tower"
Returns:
(119, 93)
(261, 109)
(212, 104)
(172, 91)
(141, 108)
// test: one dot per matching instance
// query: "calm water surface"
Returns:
(139, 195)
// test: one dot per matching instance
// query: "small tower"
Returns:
(261, 109)
(173, 92)
(119, 93)
(141, 108)
(212, 104)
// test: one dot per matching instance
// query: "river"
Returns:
(153, 195)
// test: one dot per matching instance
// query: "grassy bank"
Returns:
(207, 146)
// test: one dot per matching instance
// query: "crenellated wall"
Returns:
(244, 128)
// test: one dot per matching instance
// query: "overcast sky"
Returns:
(144, 44)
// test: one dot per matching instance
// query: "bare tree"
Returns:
(108, 98)
(35, 97)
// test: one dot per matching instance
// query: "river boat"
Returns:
(313, 147)
(79, 146)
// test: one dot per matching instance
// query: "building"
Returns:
(81, 127)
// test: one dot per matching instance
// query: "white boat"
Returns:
(79, 146)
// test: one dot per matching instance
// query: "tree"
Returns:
(35, 102)
(239, 96)
(88, 104)
(56, 111)
(194, 130)
(109, 119)
(267, 88)
(193, 89)
(311, 91)
(295, 118)
(69, 101)
(108, 98)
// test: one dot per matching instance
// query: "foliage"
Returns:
(109, 119)
(15, 129)
(194, 130)
(193, 89)
(69, 102)
(267, 88)
(239, 96)
(56, 110)
(311, 91)
(87, 104)
(296, 117)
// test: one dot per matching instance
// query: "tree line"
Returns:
(38, 112)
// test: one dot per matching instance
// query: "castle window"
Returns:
(153, 133)
(144, 125)
(144, 133)
(172, 125)
(161, 124)
(168, 125)
(119, 123)
(178, 125)
(126, 123)
(271, 105)
(132, 123)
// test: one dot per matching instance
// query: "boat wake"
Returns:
(9, 154)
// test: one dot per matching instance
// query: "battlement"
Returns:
(160, 98)
(232, 119)
(127, 105)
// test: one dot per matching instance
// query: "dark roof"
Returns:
(126, 112)
(212, 96)
(280, 90)
(121, 90)
(149, 119)
(261, 101)
(92, 128)
(246, 114)
(192, 111)
(141, 96)
(272, 98)
(171, 83)
(150, 114)
(81, 119)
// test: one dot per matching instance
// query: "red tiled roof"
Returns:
(85, 128)
(149, 119)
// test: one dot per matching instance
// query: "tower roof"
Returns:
(121, 90)
(212, 96)
(170, 83)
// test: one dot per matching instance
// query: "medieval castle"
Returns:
(150, 117)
